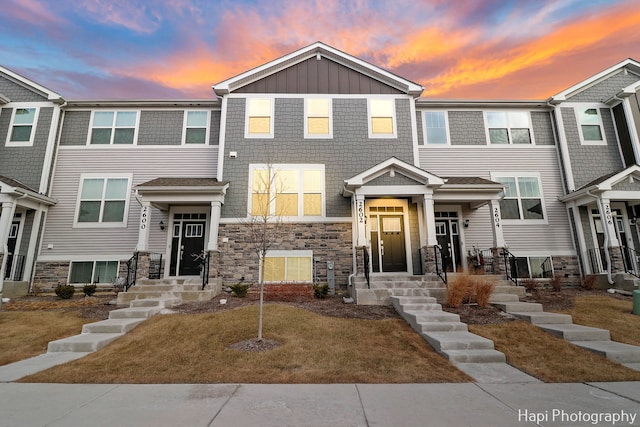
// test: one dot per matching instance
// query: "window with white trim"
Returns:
(382, 118)
(259, 118)
(509, 127)
(534, 267)
(288, 267)
(196, 127)
(113, 127)
(93, 272)
(287, 190)
(23, 126)
(435, 128)
(522, 197)
(103, 200)
(590, 124)
(318, 118)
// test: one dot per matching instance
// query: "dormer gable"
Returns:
(17, 88)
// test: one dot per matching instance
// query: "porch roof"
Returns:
(603, 187)
(164, 191)
(12, 189)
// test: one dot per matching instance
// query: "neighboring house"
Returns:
(29, 116)
(361, 172)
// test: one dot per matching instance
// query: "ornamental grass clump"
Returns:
(466, 288)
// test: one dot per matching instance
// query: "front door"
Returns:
(187, 245)
(388, 246)
(448, 235)
(621, 235)
(12, 242)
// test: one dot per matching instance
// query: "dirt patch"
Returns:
(256, 345)
(563, 300)
(472, 314)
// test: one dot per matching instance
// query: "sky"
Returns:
(177, 49)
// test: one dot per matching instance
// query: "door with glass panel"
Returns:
(448, 236)
(187, 246)
(388, 245)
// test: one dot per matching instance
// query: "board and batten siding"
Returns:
(144, 164)
(554, 237)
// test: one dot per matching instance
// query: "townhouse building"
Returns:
(360, 175)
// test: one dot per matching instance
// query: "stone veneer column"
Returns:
(360, 260)
(617, 261)
(498, 261)
(429, 259)
(144, 262)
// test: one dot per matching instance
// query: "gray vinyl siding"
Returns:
(414, 237)
(348, 153)
(26, 232)
(467, 128)
(590, 162)
(18, 93)
(542, 128)
(547, 238)
(604, 89)
(25, 163)
(145, 164)
(75, 128)
(313, 76)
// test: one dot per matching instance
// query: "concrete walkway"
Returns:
(353, 405)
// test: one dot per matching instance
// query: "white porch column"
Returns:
(6, 218)
(496, 219)
(430, 219)
(358, 206)
(216, 206)
(33, 239)
(608, 223)
(143, 230)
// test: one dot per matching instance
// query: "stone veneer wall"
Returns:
(329, 242)
(48, 275)
(568, 267)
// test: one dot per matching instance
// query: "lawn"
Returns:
(180, 348)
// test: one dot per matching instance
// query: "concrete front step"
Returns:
(403, 299)
(429, 327)
(111, 326)
(495, 298)
(518, 307)
(572, 333)
(168, 302)
(408, 292)
(431, 316)
(510, 289)
(127, 297)
(406, 284)
(542, 318)
(612, 350)
(134, 313)
(442, 341)
(475, 356)
(82, 343)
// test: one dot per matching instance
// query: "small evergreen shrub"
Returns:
(320, 291)
(240, 289)
(65, 291)
(89, 290)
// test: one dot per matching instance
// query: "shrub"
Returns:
(530, 285)
(482, 290)
(588, 282)
(556, 282)
(458, 289)
(89, 290)
(320, 291)
(240, 289)
(65, 291)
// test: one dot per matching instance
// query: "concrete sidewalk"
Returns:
(393, 405)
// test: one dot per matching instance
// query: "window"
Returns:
(93, 272)
(287, 190)
(522, 197)
(288, 266)
(382, 118)
(318, 122)
(113, 127)
(590, 123)
(512, 127)
(435, 125)
(196, 127)
(103, 201)
(22, 129)
(535, 267)
(259, 123)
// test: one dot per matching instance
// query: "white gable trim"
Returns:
(393, 164)
(31, 85)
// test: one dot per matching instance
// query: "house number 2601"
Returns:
(143, 217)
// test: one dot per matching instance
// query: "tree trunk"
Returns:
(261, 275)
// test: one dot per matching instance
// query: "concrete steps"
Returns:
(168, 289)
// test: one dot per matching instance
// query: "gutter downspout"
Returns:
(606, 238)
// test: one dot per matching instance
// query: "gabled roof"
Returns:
(22, 191)
(629, 63)
(603, 183)
(4, 99)
(318, 49)
(392, 164)
(31, 85)
(165, 183)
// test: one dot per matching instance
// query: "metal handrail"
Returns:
(155, 265)
(132, 270)
(365, 256)
(630, 257)
(510, 266)
(440, 258)
(547, 268)
(482, 259)
(205, 270)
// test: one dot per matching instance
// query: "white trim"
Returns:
(392, 135)
(563, 149)
(23, 81)
(463, 246)
(286, 254)
(222, 138)
(43, 257)
(489, 146)
(307, 135)
(206, 127)
(523, 221)
(305, 220)
(414, 133)
(47, 163)
(509, 127)
(423, 114)
(174, 209)
(113, 127)
(588, 106)
(105, 176)
(136, 147)
(272, 102)
(93, 269)
(34, 125)
(631, 126)
(368, 203)
(289, 253)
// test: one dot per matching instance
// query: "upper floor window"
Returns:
(522, 197)
(196, 127)
(509, 127)
(590, 123)
(287, 190)
(23, 125)
(113, 127)
(382, 118)
(103, 200)
(318, 123)
(259, 119)
(435, 127)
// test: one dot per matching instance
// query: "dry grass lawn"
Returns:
(315, 349)
(26, 334)
(551, 359)
(608, 313)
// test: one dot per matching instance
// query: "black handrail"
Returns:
(510, 266)
(630, 257)
(155, 266)
(205, 270)
(482, 260)
(365, 256)
(440, 258)
(132, 270)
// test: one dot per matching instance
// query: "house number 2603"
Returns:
(143, 217)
